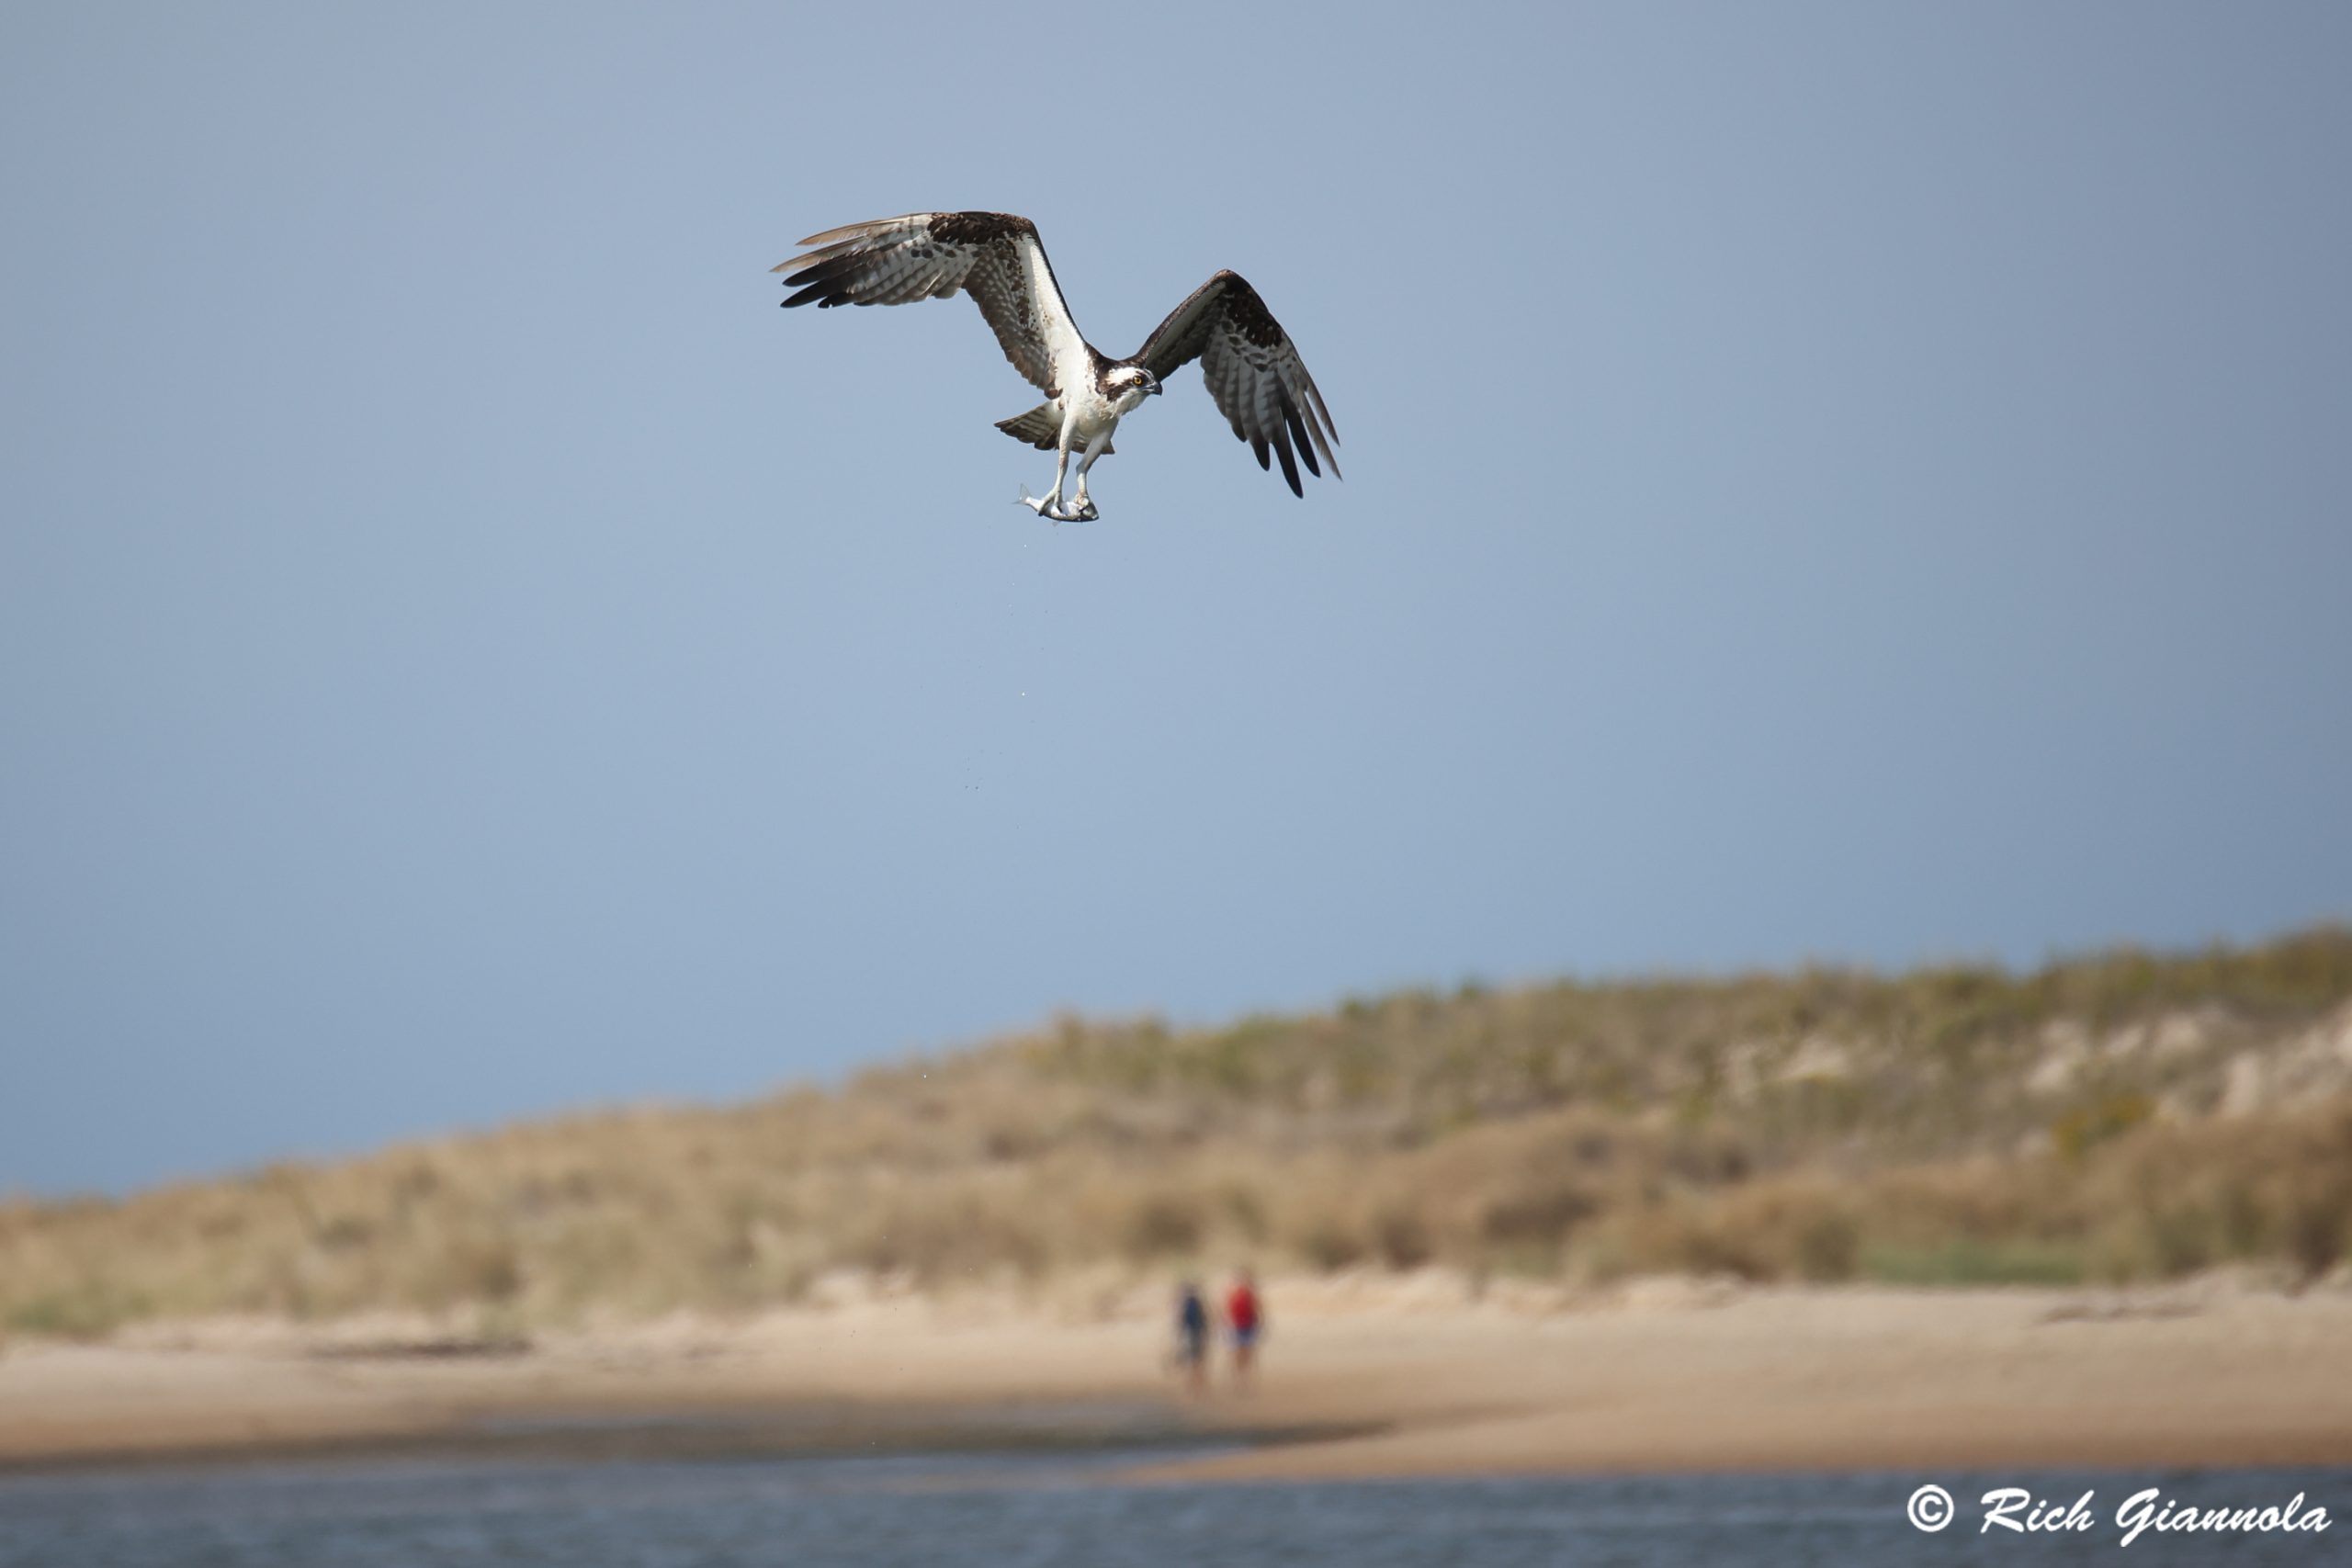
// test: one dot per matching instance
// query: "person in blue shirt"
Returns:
(1192, 1337)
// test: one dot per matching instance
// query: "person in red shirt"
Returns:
(1244, 1316)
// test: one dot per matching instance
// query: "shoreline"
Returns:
(1364, 1377)
(777, 1432)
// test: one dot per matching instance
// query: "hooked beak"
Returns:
(1156, 389)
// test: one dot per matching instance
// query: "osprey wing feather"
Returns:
(1252, 370)
(995, 257)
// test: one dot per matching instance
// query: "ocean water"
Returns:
(1035, 1512)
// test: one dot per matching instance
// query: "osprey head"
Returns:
(1128, 385)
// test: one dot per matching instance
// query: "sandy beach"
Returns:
(1365, 1376)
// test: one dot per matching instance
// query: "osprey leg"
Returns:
(1050, 505)
(1061, 459)
(1080, 506)
(1094, 449)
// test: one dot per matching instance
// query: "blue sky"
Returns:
(1862, 483)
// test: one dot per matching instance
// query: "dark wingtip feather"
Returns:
(827, 282)
(1298, 437)
(1290, 465)
(1332, 430)
(1258, 445)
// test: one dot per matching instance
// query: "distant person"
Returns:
(1244, 1316)
(1192, 1337)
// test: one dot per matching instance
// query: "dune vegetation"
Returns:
(2122, 1117)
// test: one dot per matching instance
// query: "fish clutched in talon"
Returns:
(1078, 510)
(1250, 365)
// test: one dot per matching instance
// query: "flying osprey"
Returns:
(1252, 368)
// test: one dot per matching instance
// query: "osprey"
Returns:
(1251, 366)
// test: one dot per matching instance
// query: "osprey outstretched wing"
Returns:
(1252, 369)
(993, 256)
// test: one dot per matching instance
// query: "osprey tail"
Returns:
(1041, 427)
